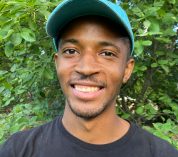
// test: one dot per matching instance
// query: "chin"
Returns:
(87, 113)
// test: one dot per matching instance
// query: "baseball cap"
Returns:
(69, 10)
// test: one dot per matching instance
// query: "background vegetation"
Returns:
(29, 91)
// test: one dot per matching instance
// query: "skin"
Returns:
(92, 63)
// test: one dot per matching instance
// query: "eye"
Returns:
(70, 51)
(108, 54)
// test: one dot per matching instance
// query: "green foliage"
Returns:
(167, 131)
(21, 117)
(154, 84)
(26, 69)
(29, 90)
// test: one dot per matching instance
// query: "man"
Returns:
(94, 42)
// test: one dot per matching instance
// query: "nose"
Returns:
(87, 65)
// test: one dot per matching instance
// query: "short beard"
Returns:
(90, 115)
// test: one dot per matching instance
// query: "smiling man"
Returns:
(94, 44)
(88, 47)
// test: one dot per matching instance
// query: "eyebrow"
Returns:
(106, 43)
(70, 41)
(75, 41)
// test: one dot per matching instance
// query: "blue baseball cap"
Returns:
(69, 10)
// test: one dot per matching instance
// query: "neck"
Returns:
(103, 129)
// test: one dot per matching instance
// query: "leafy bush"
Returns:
(29, 90)
(154, 85)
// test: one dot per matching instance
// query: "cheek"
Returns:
(115, 75)
(65, 70)
(62, 70)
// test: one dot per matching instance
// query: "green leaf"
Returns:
(137, 11)
(125, 116)
(154, 28)
(142, 32)
(172, 1)
(13, 68)
(2, 89)
(146, 42)
(167, 111)
(138, 48)
(154, 65)
(158, 4)
(140, 110)
(8, 102)
(28, 35)
(48, 74)
(165, 68)
(147, 23)
(8, 85)
(163, 39)
(143, 68)
(151, 11)
(16, 39)
(2, 72)
(163, 62)
(44, 12)
(32, 25)
(160, 53)
(9, 47)
(20, 91)
(8, 34)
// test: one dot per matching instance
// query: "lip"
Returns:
(87, 96)
(87, 83)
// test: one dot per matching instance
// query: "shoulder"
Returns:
(158, 146)
(36, 133)
(23, 140)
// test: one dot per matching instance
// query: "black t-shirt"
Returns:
(53, 140)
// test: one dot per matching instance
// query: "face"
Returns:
(91, 65)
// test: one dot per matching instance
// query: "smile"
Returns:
(87, 92)
(86, 89)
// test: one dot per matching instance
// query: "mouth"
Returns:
(87, 91)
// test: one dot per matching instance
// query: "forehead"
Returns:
(101, 23)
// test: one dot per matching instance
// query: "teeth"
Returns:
(86, 88)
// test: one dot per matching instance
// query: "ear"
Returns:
(128, 70)
(56, 59)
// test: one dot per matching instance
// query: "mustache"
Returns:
(89, 78)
